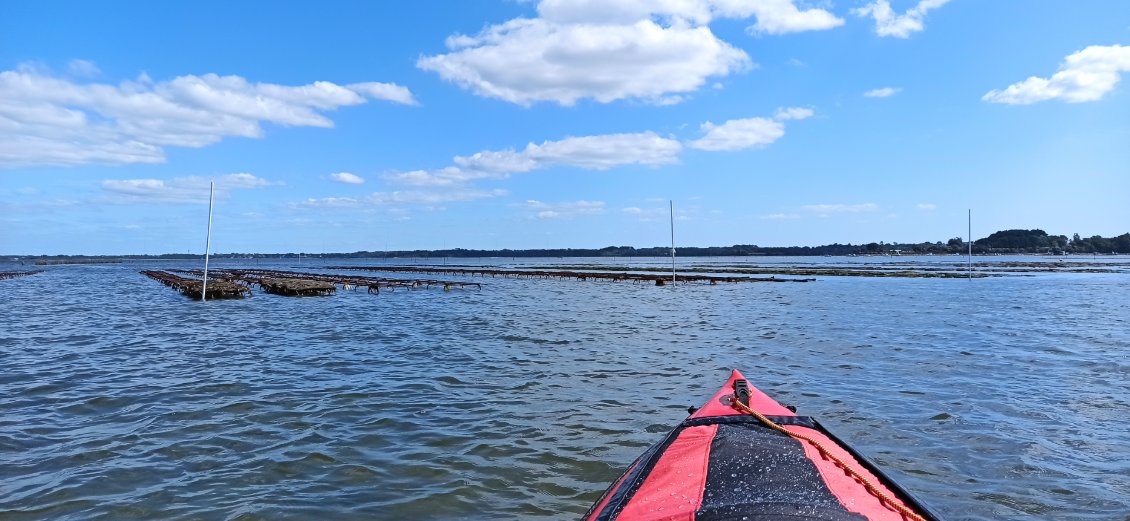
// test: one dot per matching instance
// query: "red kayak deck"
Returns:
(724, 463)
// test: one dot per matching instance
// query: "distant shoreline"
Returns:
(1005, 242)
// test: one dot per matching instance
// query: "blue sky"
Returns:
(425, 125)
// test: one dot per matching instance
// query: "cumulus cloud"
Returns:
(406, 197)
(447, 176)
(499, 161)
(49, 120)
(1086, 75)
(738, 134)
(927, 207)
(563, 210)
(599, 152)
(609, 50)
(331, 202)
(783, 16)
(606, 151)
(888, 23)
(883, 92)
(433, 197)
(793, 113)
(781, 216)
(525, 61)
(83, 69)
(773, 16)
(648, 214)
(193, 189)
(347, 178)
(384, 91)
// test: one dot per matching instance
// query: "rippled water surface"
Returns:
(1001, 398)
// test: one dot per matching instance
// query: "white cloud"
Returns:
(193, 189)
(738, 134)
(825, 210)
(599, 152)
(526, 61)
(606, 151)
(563, 210)
(347, 178)
(883, 92)
(331, 202)
(83, 69)
(433, 197)
(407, 197)
(887, 23)
(783, 16)
(47, 120)
(781, 216)
(500, 161)
(927, 207)
(773, 16)
(447, 176)
(649, 214)
(384, 91)
(609, 50)
(793, 113)
(1086, 75)
(240, 180)
(623, 12)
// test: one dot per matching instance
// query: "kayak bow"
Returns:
(744, 456)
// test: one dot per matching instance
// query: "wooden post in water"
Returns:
(672, 243)
(208, 244)
(970, 261)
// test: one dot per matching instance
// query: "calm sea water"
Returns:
(1002, 398)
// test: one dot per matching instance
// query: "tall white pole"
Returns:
(672, 243)
(208, 245)
(970, 244)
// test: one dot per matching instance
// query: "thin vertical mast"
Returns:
(672, 243)
(970, 257)
(208, 245)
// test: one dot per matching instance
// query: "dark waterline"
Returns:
(1000, 398)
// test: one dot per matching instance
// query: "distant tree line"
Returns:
(1010, 241)
(1038, 241)
(1005, 241)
